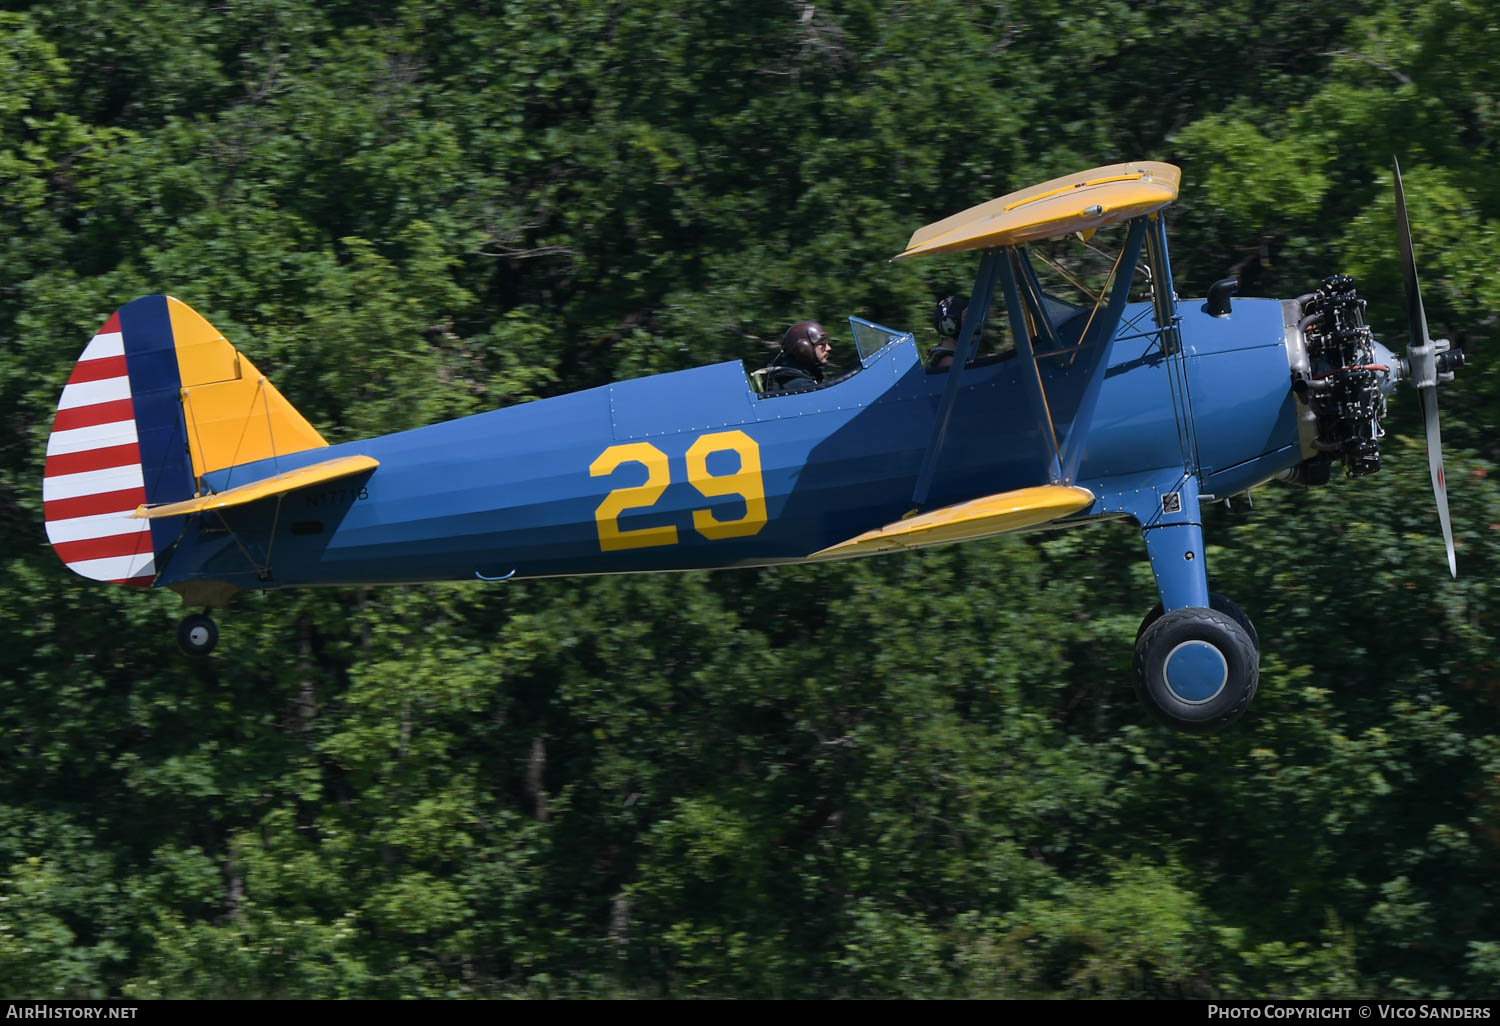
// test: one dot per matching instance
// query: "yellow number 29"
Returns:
(745, 482)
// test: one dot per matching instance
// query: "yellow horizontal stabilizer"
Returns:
(1082, 202)
(302, 477)
(977, 518)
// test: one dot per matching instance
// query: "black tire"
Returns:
(197, 635)
(1196, 670)
(1224, 605)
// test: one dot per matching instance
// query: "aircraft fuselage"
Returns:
(694, 469)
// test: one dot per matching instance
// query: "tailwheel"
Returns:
(197, 634)
(1196, 669)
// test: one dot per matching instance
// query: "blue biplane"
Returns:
(174, 463)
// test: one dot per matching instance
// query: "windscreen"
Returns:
(871, 338)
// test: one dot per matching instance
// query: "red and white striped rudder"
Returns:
(94, 479)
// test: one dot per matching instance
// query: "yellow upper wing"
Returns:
(967, 521)
(1079, 202)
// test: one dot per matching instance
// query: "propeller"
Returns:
(1426, 362)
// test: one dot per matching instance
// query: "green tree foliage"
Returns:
(923, 775)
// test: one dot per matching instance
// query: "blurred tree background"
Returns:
(922, 775)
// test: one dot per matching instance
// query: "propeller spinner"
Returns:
(1427, 362)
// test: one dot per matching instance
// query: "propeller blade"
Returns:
(1428, 398)
(1422, 363)
(1416, 317)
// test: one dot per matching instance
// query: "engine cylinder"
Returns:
(1339, 377)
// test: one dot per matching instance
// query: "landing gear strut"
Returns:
(197, 634)
(1197, 665)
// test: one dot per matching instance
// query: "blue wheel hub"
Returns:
(1196, 671)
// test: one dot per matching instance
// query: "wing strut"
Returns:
(1097, 333)
(978, 309)
(1046, 431)
(1042, 328)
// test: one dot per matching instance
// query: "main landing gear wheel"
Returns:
(1227, 606)
(1196, 669)
(197, 634)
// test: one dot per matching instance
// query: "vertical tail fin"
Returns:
(157, 400)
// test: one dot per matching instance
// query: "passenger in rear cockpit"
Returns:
(948, 319)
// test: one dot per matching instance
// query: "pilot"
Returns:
(948, 319)
(803, 358)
